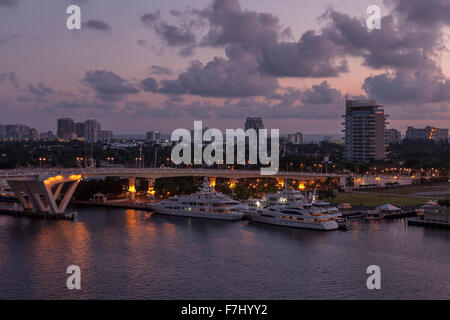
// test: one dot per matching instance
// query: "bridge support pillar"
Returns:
(35, 195)
(132, 187)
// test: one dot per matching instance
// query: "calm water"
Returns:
(128, 254)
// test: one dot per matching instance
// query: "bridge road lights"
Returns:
(132, 187)
(151, 187)
(212, 182)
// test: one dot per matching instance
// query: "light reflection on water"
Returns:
(128, 254)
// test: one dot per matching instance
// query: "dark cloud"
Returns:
(142, 43)
(313, 56)
(430, 13)
(108, 85)
(172, 87)
(322, 94)
(228, 24)
(318, 102)
(158, 70)
(237, 76)
(40, 90)
(394, 46)
(9, 77)
(9, 3)
(96, 24)
(149, 85)
(174, 36)
(408, 87)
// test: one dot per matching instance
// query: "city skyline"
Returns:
(162, 64)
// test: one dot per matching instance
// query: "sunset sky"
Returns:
(144, 65)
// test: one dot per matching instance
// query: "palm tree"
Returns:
(350, 182)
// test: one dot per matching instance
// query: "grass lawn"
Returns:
(375, 200)
(445, 187)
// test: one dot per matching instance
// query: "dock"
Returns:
(424, 223)
(69, 216)
(126, 204)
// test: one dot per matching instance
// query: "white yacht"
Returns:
(206, 203)
(293, 216)
(296, 198)
(286, 196)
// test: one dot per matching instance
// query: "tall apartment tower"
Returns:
(66, 128)
(92, 128)
(254, 123)
(365, 126)
(80, 129)
(393, 136)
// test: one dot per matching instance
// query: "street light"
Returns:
(79, 161)
(41, 160)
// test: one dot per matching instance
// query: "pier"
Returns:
(69, 216)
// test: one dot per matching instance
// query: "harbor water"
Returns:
(131, 254)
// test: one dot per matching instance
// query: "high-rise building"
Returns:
(91, 127)
(393, 136)
(20, 132)
(254, 123)
(295, 138)
(153, 136)
(427, 133)
(80, 130)
(105, 135)
(365, 124)
(66, 129)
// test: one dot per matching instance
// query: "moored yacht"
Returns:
(206, 203)
(293, 216)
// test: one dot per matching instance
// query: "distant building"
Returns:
(254, 123)
(331, 139)
(2, 131)
(47, 135)
(428, 133)
(66, 129)
(34, 134)
(393, 136)
(20, 132)
(80, 130)
(105, 136)
(153, 136)
(295, 138)
(365, 124)
(91, 130)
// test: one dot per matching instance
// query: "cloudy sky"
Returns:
(140, 65)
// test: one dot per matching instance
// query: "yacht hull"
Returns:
(196, 214)
(331, 225)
